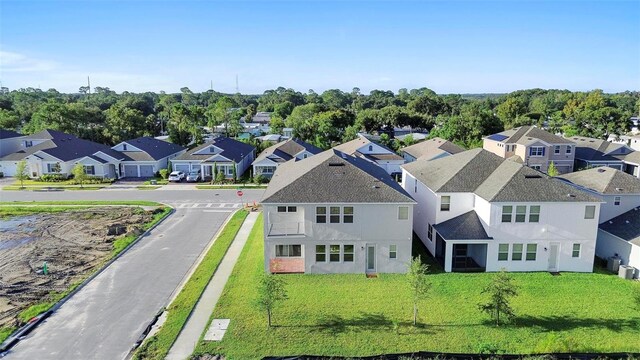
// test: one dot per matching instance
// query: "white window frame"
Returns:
(536, 151)
(617, 200)
(336, 215)
(401, 215)
(587, 209)
(346, 216)
(87, 167)
(510, 213)
(321, 253)
(430, 232)
(532, 213)
(575, 253)
(447, 203)
(287, 253)
(324, 215)
(503, 252)
(530, 251)
(569, 149)
(352, 253)
(522, 214)
(556, 149)
(331, 253)
(393, 251)
(515, 252)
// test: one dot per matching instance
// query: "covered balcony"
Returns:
(461, 244)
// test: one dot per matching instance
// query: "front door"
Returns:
(371, 258)
(553, 257)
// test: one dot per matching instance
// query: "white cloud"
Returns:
(11, 62)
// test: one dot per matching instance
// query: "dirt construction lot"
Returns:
(73, 244)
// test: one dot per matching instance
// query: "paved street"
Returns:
(105, 318)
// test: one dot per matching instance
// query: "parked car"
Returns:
(194, 176)
(176, 176)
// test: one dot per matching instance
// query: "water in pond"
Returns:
(17, 225)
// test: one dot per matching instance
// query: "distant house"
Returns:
(335, 213)
(146, 155)
(54, 152)
(631, 163)
(430, 149)
(620, 237)
(373, 152)
(619, 192)
(10, 142)
(287, 132)
(261, 117)
(632, 141)
(414, 136)
(533, 147)
(222, 151)
(597, 152)
(479, 212)
(289, 150)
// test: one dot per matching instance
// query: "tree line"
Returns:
(334, 116)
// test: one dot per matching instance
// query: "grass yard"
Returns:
(350, 315)
(158, 345)
(54, 187)
(83, 202)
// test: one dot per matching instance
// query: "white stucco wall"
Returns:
(376, 224)
(609, 210)
(609, 245)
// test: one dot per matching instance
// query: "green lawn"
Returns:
(83, 202)
(350, 315)
(158, 345)
(230, 186)
(54, 186)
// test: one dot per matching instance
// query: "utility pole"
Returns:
(237, 87)
(89, 85)
(211, 85)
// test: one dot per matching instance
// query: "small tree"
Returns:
(214, 176)
(552, 171)
(500, 290)
(220, 177)
(164, 173)
(22, 172)
(271, 290)
(79, 175)
(636, 297)
(418, 283)
(234, 173)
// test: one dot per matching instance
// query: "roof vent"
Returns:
(571, 195)
(601, 170)
(375, 187)
(336, 164)
(619, 189)
(531, 176)
(626, 221)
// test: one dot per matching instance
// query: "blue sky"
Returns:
(450, 47)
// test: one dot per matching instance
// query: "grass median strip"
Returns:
(229, 187)
(157, 346)
(119, 244)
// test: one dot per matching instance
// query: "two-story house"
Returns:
(223, 152)
(478, 212)
(335, 213)
(619, 230)
(534, 147)
(631, 163)
(373, 152)
(293, 149)
(430, 149)
(592, 152)
(10, 142)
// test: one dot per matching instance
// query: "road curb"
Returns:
(12, 340)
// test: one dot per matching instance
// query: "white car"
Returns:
(176, 176)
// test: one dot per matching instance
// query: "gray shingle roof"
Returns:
(463, 227)
(527, 134)
(288, 149)
(590, 149)
(157, 149)
(625, 226)
(8, 134)
(633, 157)
(493, 178)
(605, 180)
(231, 149)
(333, 177)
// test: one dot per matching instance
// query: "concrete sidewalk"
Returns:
(195, 326)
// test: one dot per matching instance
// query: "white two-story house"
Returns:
(478, 212)
(373, 152)
(288, 150)
(335, 213)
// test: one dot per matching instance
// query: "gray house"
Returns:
(336, 213)
(224, 152)
(145, 156)
(293, 149)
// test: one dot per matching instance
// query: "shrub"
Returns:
(164, 173)
(260, 179)
(52, 178)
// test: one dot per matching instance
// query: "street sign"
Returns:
(239, 193)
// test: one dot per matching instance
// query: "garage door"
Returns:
(131, 171)
(146, 171)
(8, 168)
(182, 167)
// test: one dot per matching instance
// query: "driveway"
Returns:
(106, 317)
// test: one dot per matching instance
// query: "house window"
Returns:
(403, 212)
(430, 232)
(89, 170)
(334, 218)
(393, 251)
(292, 209)
(536, 151)
(124, 147)
(590, 212)
(347, 215)
(347, 255)
(321, 215)
(556, 149)
(445, 203)
(304, 156)
(288, 250)
(415, 185)
(212, 149)
(284, 209)
(334, 253)
(576, 251)
(536, 167)
(28, 143)
(521, 213)
(616, 200)
(507, 211)
(534, 213)
(532, 249)
(267, 170)
(321, 253)
(569, 149)
(503, 252)
(516, 254)
(370, 147)
(51, 168)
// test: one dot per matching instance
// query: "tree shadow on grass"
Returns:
(561, 323)
(335, 325)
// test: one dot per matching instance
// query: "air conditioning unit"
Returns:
(613, 264)
(626, 272)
